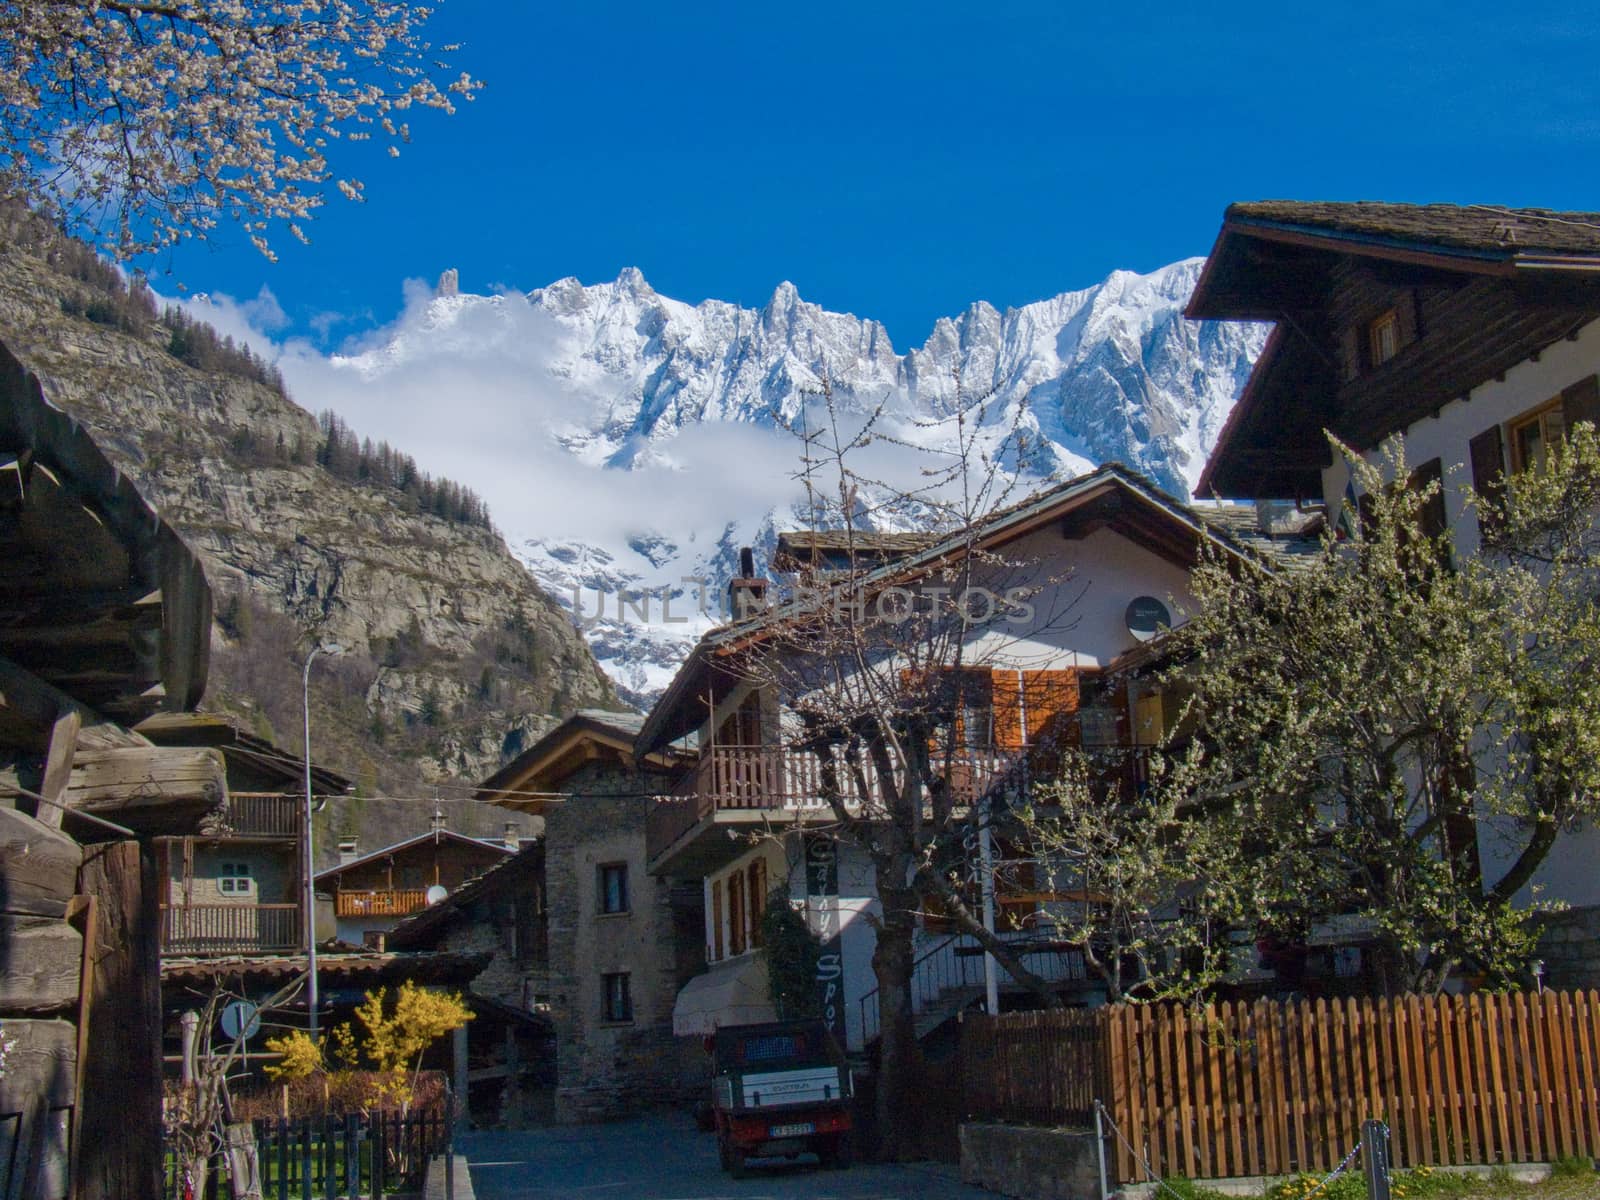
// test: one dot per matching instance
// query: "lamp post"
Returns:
(333, 650)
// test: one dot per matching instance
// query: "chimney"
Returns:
(747, 592)
(438, 820)
(349, 850)
(512, 836)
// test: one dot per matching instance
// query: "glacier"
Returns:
(655, 434)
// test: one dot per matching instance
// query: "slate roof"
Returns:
(840, 541)
(1291, 545)
(1486, 228)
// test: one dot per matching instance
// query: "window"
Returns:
(616, 1002)
(1383, 338)
(233, 879)
(612, 885)
(1533, 434)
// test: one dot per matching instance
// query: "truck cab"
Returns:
(780, 1089)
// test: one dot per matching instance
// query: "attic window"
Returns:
(1532, 436)
(1383, 338)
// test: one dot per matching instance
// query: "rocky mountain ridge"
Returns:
(454, 657)
(626, 384)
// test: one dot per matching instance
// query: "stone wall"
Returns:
(1039, 1164)
(610, 1068)
(1570, 948)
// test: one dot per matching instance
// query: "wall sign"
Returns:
(822, 901)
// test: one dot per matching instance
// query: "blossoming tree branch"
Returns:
(142, 123)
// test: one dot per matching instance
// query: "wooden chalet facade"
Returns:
(374, 892)
(105, 619)
(1473, 332)
(239, 889)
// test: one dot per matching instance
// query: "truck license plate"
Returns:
(780, 1131)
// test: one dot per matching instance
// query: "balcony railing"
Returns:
(771, 778)
(265, 814)
(200, 930)
(390, 903)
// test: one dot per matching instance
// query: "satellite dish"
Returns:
(436, 894)
(240, 1017)
(1147, 617)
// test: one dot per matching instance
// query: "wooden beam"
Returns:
(30, 707)
(58, 766)
(154, 790)
(38, 866)
(39, 972)
(120, 1113)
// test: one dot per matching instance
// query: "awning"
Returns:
(730, 993)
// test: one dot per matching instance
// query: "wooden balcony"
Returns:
(733, 786)
(265, 815)
(752, 785)
(389, 903)
(203, 930)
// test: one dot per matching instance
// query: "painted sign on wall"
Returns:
(822, 905)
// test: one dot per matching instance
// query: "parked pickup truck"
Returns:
(780, 1089)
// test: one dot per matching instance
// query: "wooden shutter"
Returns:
(1007, 690)
(1408, 325)
(716, 920)
(1350, 356)
(1049, 702)
(1487, 452)
(736, 913)
(757, 875)
(1581, 402)
(1433, 514)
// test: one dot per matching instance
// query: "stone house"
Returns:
(620, 942)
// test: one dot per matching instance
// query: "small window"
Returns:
(233, 879)
(1383, 338)
(612, 884)
(1532, 436)
(616, 1002)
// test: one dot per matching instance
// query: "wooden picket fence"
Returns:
(1273, 1087)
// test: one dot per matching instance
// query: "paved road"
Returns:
(664, 1158)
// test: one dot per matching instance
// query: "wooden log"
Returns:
(40, 965)
(38, 866)
(120, 1119)
(43, 1064)
(58, 766)
(154, 790)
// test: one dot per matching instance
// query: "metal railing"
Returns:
(956, 965)
(199, 930)
(384, 903)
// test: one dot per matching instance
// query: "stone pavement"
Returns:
(666, 1158)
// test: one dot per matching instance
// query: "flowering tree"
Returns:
(145, 122)
(1394, 737)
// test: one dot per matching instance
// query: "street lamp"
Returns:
(333, 650)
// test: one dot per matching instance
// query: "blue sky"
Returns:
(900, 161)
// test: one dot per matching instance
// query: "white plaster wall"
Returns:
(1572, 871)
(1526, 385)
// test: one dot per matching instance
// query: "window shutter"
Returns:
(1488, 468)
(1350, 353)
(716, 920)
(1050, 701)
(1407, 319)
(1581, 402)
(1433, 514)
(1007, 688)
(736, 913)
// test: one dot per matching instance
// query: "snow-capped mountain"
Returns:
(656, 438)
